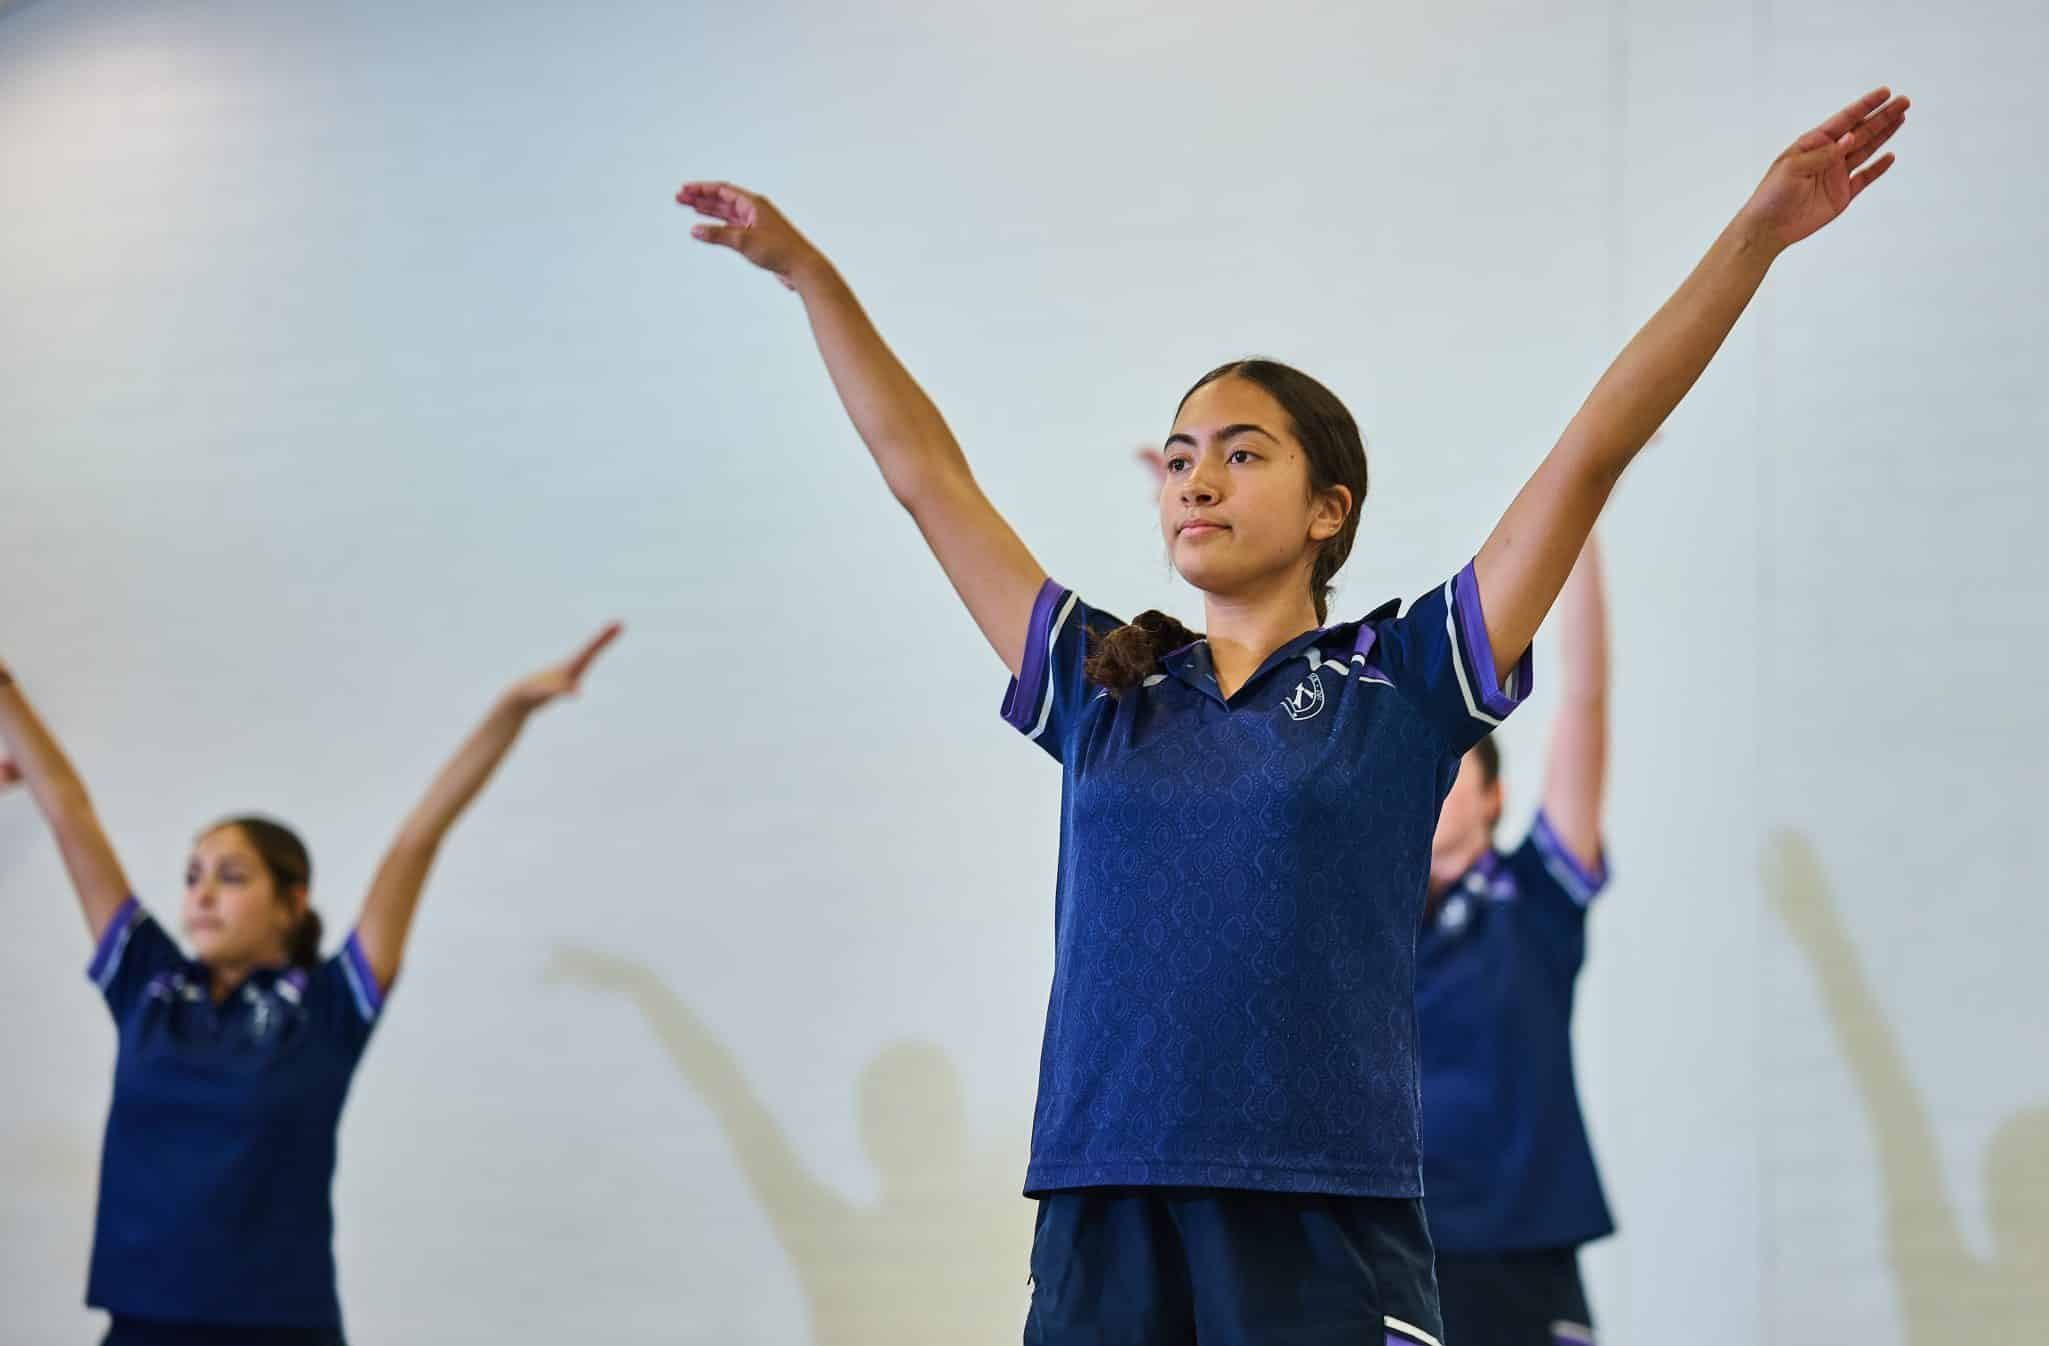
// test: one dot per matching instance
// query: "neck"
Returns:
(223, 978)
(1449, 867)
(1244, 628)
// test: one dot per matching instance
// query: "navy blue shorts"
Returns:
(1168, 1266)
(1530, 1298)
(149, 1332)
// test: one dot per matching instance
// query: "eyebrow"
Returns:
(1227, 433)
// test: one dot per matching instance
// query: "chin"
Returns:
(1203, 572)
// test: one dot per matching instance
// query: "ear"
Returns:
(1327, 513)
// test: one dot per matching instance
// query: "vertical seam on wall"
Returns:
(1618, 145)
(1763, 558)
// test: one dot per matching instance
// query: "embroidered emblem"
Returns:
(1306, 700)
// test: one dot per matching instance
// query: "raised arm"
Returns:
(31, 755)
(395, 889)
(1523, 564)
(1576, 770)
(990, 568)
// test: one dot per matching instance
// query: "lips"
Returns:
(1200, 528)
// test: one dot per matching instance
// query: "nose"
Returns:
(1197, 488)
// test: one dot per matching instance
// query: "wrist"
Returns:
(1753, 239)
(811, 274)
(515, 703)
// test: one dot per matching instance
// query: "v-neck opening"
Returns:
(1194, 666)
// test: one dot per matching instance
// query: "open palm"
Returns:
(749, 224)
(1822, 172)
(557, 680)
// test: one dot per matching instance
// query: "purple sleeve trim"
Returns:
(1580, 883)
(106, 956)
(1477, 653)
(1024, 700)
(362, 981)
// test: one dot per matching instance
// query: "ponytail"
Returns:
(1124, 658)
(302, 945)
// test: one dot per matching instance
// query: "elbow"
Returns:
(922, 488)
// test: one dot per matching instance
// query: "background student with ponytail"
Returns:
(1226, 1145)
(215, 1222)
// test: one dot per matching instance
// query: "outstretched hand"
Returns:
(557, 680)
(1822, 172)
(750, 225)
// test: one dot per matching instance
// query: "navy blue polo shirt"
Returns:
(1507, 1165)
(219, 1159)
(1240, 884)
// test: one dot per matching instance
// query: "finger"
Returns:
(720, 200)
(592, 649)
(1869, 144)
(1875, 129)
(1835, 127)
(1869, 176)
(723, 235)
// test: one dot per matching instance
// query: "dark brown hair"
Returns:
(1336, 452)
(290, 866)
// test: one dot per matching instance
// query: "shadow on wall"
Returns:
(1949, 1294)
(939, 1257)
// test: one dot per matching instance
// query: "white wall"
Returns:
(355, 361)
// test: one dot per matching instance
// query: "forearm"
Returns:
(1668, 354)
(1583, 630)
(45, 770)
(903, 430)
(60, 796)
(1576, 770)
(394, 895)
(465, 774)
(1525, 561)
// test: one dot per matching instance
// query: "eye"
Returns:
(1241, 456)
(1177, 463)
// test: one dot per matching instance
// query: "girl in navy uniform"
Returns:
(215, 1224)
(1508, 1173)
(1227, 1144)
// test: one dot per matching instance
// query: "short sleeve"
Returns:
(1045, 700)
(1438, 657)
(347, 993)
(1575, 880)
(133, 950)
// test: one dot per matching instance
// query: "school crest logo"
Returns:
(1306, 700)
